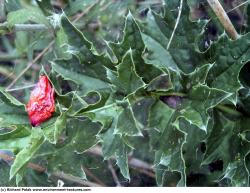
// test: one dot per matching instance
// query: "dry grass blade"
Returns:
(30, 64)
(176, 24)
(223, 17)
(48, 47)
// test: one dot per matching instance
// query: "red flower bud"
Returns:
(42, 102)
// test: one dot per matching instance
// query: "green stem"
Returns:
(24, 27)
(229, 110)
(8, 57)
(2, 11)
(6, 44)
(7, 73)
(168, 94)
(4, 26)
(176, 94)
(30, 27)
(221, 107)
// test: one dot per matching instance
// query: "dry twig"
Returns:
(176, 23)
(58, 174)
(90, 174)
(133, 162)
(115, 177)
(74, 179)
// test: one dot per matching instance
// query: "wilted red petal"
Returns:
(42, 102)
